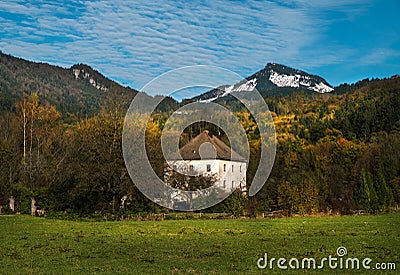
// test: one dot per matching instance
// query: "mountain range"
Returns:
(81, 90)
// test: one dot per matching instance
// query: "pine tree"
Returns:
(385, 191)
(365, 194)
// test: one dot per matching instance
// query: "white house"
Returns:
(207, 155)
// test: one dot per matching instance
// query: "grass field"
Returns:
(45, 246)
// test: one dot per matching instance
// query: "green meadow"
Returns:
(225, 246)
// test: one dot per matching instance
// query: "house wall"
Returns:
(232, 174)
(228, 178)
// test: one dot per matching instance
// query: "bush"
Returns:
(235, 204)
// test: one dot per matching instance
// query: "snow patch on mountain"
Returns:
(297, 80)
(208, 100)
(85, 75)
(248, 86)
(282, 80)
(321, 88)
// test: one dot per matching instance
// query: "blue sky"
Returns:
(134, 41)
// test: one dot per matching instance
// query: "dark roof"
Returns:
(191, 150)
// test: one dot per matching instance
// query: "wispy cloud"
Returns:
(135, 41)
(378, 55)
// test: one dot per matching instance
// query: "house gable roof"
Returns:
(191, 151)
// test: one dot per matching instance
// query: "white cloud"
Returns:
(135, 41)
(377, 56)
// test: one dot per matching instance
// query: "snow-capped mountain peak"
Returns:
(272, 78)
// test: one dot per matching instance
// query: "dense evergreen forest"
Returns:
(336, 152)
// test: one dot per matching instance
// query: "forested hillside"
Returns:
(76, 91)
(335, 152)
(339, 152)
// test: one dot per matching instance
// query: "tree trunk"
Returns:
(31, 146)
(33, 207)
(24, 128)
(12, 204)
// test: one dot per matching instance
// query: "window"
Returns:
(224, 184)
(232, 167)
(208, 167)
(240, 168)
(224, 167)
(191, 168)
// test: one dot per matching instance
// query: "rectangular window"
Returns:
(224, 167)
(240, 168)
(224, 184)
(232, 167)
(208, 167)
